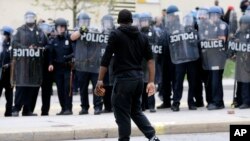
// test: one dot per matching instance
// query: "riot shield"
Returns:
(241, 45)
(27, 67)
(183, 40)
(212, 45)
(89, 49)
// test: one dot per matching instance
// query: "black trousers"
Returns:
(83, 81)
(126, 101)
(107, 98)
(62, 78)
(5, 84)
(244, 93)
(214, 87)
(147, 102)
(168, 73)
(25, 97)
(181, 70)
(46, 91)
(238, 97)
(201, 77)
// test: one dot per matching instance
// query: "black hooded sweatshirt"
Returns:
(129, 47)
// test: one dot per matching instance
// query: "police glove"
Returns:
(83, 29)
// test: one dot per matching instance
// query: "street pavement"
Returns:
(222, 136)
(103, 126)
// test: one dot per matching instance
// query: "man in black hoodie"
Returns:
(129, 47)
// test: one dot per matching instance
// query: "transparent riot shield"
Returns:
(27, 67)
(183, 40)
(89, 49)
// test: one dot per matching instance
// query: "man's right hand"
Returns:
(150, 89)
(51, 68)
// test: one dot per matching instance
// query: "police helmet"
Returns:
(83, 19)
(172, 9)
(7, 30)
(107, 22)
(30, 17)
(61, 22)
(215, 9)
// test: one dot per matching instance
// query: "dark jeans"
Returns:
(181, 70)
(83, 81)
(215, 88)
(46, 91)
(62, 78)
(5, 84)
(25, 97)
(126, 101)
(147, 102)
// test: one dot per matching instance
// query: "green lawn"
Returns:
(229, 69)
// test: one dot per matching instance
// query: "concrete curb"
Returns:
(69, 133)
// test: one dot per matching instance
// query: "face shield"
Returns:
(136, 22)
(214, 17)
(30, 18)
(107, 24)
(202, 14)
(188, 20)
(84, 22)
(46, 28)
(145, 22)
(172, 19)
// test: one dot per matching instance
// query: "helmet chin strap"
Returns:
(30, 25)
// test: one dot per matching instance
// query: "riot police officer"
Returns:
(5, 39)
(61, 54)
(107, 26)
(145, 20)
(47, 76)
(168, 68)
(184, 53)
(87, 60)
(213, 35)
(30, 37)
(238, 44)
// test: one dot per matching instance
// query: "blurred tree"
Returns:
(75, 6)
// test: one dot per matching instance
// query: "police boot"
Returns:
(175, 107)
(67, 112)
(60, 113)
(29, 114)
(244, 106)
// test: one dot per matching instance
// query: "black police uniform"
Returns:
(5, 77)
(61, 54)
(168, 72)
(46, 84)
(27, 96)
